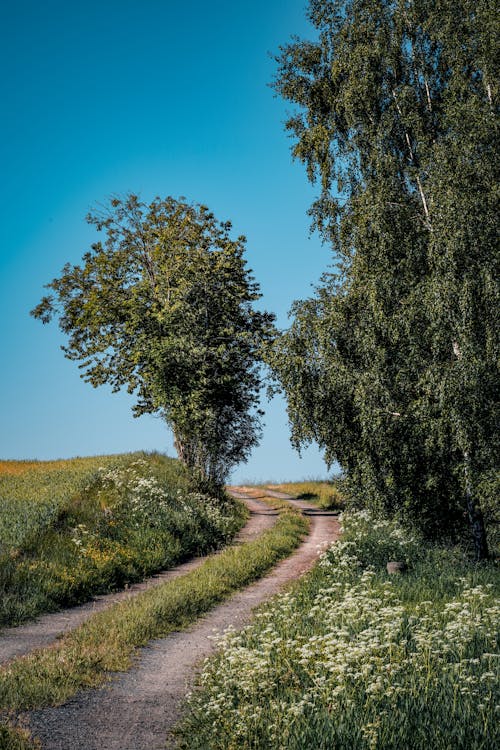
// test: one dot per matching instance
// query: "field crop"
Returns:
(355, 658)
(70, 529)
(33, 492)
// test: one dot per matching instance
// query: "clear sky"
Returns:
(158, 97)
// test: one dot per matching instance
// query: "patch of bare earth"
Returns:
(139, 708)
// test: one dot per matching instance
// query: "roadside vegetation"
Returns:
(390, 367)
(16, 738)
(71, 529)
(325, 494)
(353, 657)
(106, 642)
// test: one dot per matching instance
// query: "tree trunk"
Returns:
(475, 513)
(197, 462)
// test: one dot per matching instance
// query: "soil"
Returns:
(138, 709)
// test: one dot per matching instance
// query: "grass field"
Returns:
(70, 529)
(324, 493)
(355, 658)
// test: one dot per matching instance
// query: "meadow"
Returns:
(71, 529)
(352, 657)
(325, 493)
(349, 657)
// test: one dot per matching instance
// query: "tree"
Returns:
(164, 307)
(392, 367)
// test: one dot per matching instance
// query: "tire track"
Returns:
(138, 710)
(47, 628)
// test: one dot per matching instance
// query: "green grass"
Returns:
(33, 492)
(106, 643)
(323, 493)
(71, 529)
(16, 738)
(354, 658)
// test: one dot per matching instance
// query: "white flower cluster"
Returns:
(357, 650)
(141, 497)
(146, 501)
(370, 539)
(81, 536)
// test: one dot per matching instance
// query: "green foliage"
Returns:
(107, 641)
(34, 493)
(14, 738)
(164, 307)
(488, 490)
(393, 366)
(354, 658)
(87, 526)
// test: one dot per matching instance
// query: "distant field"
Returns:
(33, 492)
(14, 468)
(72, 528)
(326, 494)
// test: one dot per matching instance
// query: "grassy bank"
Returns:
(325, 494)
(106, 643)
(71, 529)
(355, 658)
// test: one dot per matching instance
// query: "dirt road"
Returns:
(46, 628)
(138, 709)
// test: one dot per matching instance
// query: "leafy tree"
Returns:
(392, 366)
(164, 306)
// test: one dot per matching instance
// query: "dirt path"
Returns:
(139, 708)
(46, 628)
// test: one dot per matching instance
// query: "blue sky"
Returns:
(155, 97)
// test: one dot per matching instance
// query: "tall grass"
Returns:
(32, 493)
(354, 658)
(71, 529)
(13, 737)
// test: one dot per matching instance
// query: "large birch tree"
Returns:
(393, 366)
